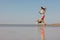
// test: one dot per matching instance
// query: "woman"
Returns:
(42, 12)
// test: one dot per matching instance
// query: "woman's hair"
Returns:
(43, 8)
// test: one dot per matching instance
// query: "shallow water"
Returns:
(28, 33)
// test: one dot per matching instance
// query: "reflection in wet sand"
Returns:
(42, 31)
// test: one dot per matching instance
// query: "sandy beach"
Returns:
(55, 24)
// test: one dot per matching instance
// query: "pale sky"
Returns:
(26, 11)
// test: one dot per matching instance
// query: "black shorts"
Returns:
(40, 22)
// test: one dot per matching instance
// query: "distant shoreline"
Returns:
(57, 24)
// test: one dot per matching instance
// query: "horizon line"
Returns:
(28, 25)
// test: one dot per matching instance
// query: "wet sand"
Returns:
(28, 33)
